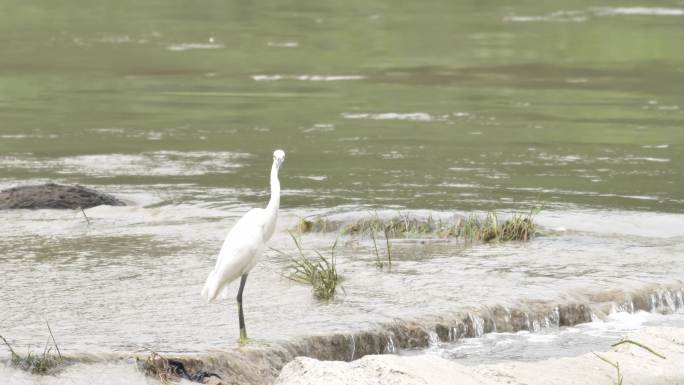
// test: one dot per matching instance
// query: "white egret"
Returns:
(243, 246)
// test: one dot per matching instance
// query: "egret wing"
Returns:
(239, 253)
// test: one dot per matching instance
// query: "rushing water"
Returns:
(435, 108)
(572, 341)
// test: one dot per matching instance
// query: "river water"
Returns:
(431, 109)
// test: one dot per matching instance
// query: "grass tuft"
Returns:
(639, 344)
(519, 227)
(379, 263)
(158, 367)
(317, 224)
(618, 376)
(46, 363)
(319, 272)
(398, 226)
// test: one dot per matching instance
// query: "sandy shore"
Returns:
(637, 366)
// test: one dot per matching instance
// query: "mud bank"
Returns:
(637, 366)
(54, 196)
(262, 364)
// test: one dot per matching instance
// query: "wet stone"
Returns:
(519, 320)
(489, 325)
(501, 319)
(370, 343)
(443, 332)
(574, 314)
(54, 196)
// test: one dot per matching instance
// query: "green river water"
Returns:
(440, 105)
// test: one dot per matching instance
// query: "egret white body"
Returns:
(243, 246)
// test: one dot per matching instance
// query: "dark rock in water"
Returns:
(54, 196)
(169, 370)
(178, 369)
(573, 314)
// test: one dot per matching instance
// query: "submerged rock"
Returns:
(54, 196)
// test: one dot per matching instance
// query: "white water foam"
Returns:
(598, 335)
(639, 11)
(412, 116)
(577, 16)
(157, 163)
(313, 78)
(192, 46)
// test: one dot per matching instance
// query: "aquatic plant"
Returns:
(317, 224)
(616, 365)
(519, 227)
(487, 228)
(46, 363)
(319, 272)
(396, 226)
(619, 377)
(84, 215)
(639, 344)
(378, 261)
(158, 367)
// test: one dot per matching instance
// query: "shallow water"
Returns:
(438, 109)
(130, 279)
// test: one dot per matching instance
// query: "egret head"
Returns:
(279, 157)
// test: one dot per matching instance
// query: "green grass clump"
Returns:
(379, 263)
(319, 272)
(517, 228)
(46, 363)
(618, 376)
(520, 227)
(317, 225)
(399, 225)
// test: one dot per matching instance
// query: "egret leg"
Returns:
(243, 330)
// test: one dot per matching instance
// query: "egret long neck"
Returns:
(274, 203)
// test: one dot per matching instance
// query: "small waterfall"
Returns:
(554, 318)
(434, 338)
(536, 326)
(390, 348)
(669, 301)
(352, 347)
(477, 325)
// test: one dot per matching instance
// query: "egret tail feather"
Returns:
(210, 289)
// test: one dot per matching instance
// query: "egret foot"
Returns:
(243, 337)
